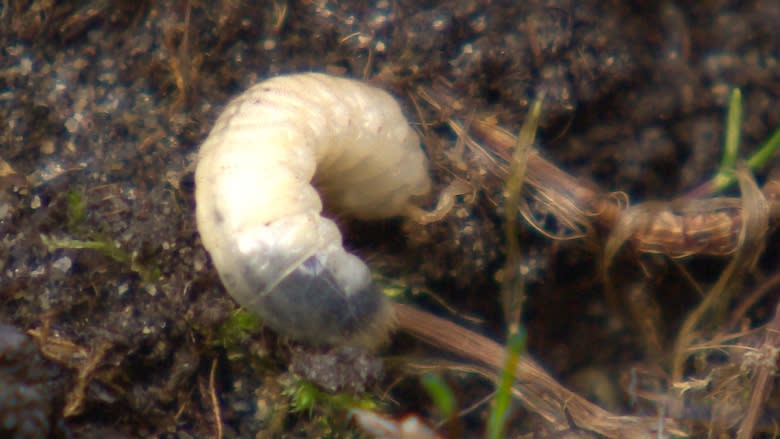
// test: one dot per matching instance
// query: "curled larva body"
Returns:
(259, 214)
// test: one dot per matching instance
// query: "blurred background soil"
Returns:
(104, 103)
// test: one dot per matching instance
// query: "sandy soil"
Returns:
(103, 106)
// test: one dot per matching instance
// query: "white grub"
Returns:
(259, 214)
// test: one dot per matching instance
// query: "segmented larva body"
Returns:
(260, 216)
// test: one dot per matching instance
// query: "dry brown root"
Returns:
(676, 228)
(534, 387)
(444, 205)
(717, 226)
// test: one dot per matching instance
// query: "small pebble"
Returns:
(62, 264)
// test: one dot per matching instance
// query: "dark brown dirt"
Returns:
(103, 105)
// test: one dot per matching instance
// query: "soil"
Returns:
(103, 105)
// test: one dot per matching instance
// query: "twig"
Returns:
(534, 387)
(214, 400)
(677, 228)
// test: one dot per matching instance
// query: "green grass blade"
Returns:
(733, 132)
(498, 415)
(765, 152)
(513, 289)
(441, 394)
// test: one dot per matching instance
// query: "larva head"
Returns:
(295, 274)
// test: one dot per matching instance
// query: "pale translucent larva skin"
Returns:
(259, 215)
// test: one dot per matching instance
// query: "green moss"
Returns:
(77, 209)
(87, 237)
(107, 247)
(306, 397)
(237, 330)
